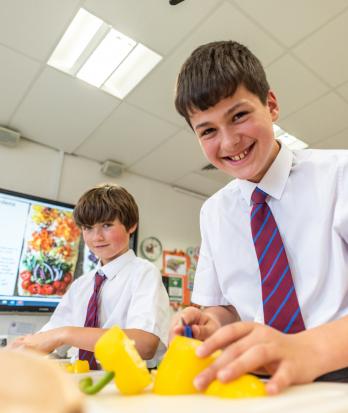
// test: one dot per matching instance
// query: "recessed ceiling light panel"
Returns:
(132, 70)
(76, 38)
(105, 58)
(95, 52)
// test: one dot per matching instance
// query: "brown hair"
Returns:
(213, 72)
(105, 203)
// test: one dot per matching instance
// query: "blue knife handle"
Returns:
(188, 331)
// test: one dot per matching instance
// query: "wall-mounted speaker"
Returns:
(112, 168)
(9, 137)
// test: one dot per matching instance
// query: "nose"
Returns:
(229, 139)
(97, 233)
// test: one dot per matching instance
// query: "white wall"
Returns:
(31, 168)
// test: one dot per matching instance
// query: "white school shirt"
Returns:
(132, 296)
(309, 200)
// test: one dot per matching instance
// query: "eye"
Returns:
(206, 132)
(86, 228)
(239, 115)
(107, 224)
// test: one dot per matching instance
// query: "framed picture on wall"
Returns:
(175, 263)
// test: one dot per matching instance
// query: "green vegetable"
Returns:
(86, 385)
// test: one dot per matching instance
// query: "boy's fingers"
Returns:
(223, 337)
(192, 315)
(205, 377)
(16, 343)
(223, 362)
(251, 360)
(178, 330)
(280, 380)
(200, 332)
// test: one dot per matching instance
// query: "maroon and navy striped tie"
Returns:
(92, 318)
(280, 304)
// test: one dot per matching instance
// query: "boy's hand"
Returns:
(44, 342)
(252, 347)
(203, 324)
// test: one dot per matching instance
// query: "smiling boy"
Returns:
(274, 250)
(131, 295)
(236, 134)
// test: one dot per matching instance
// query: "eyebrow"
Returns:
(227, 113)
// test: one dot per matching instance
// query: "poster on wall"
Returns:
(175, 272)
(175, 263)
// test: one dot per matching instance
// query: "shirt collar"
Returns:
(274, 181)
(112, 268)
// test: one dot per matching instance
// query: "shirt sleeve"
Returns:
(206, 287)
(62, 315)
(342, 202)
(149, 306)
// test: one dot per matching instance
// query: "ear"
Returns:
(132, 229)
(273, 106)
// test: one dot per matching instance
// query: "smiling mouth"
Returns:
(240, 156)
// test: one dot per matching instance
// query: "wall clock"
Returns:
(151, 248)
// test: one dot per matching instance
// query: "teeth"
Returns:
(240, 156)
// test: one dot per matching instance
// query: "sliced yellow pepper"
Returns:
(245, 386)
(180, 366)
(117, 353)
(79, 366)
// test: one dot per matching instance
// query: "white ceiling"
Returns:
(302, 44)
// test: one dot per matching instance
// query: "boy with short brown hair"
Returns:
(272, 253)
(126, 290)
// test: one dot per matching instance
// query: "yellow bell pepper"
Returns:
(180, 366)
(117, 353)
(245, 386)
(79, 366)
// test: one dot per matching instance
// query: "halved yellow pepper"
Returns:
(180, 366)
(245, 386)
(79, 366)
(117, 353)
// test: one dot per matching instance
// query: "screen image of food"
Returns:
(50, 252)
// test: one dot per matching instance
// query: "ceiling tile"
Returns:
(156, 24)
(290, 21)
(34, 27)
(339, 141)
(326, 51)
(17, 72)
(127, 135)
(294, 85)
(61, 111)
(156, 92)
(198, 183)
(318, 121)
(343, 91)
(173, 159)
(215, 175)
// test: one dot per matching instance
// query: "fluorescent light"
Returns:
(131, 71)
(289, 140)
(96, 53)
(76, 38)
(105, 58)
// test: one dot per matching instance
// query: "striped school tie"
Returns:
(280, 304)
(92, 318)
